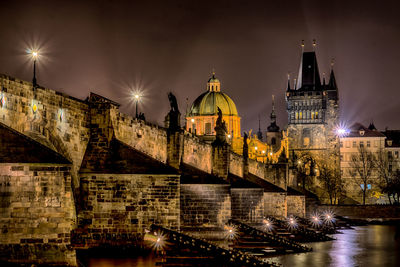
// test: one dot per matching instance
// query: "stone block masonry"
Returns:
(247, 204)
(275, 204)
(296, 205)
(36, 214)
(205, 205)
(119, 207)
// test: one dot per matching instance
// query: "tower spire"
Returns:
(332, 80)
(288, 81)
(259, 133)
(323, 79)
(273, 127)
(299, 80)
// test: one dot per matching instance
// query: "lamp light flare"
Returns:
(315, 220)
(341, 130)
(268, 224)
(230, 232)
(157, 240)
(291, 222)
(329, 217)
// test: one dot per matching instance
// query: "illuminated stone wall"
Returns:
(36, 214)
(296, 205)
(275, 204)
(205, 205)
(247, 204)
(56, 120)
(119, 207)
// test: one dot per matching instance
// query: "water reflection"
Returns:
(372, 245)
(364, 246)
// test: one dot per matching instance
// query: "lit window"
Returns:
(369, 186)
(354, 144)
(208, 128)
(361, 143)
(368, 143)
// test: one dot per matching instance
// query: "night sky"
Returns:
(114, 47)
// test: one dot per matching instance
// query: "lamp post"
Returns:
(35, 55)
(137, 97)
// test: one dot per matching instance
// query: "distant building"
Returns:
(202, 116)
(392, 147)
(373, 141)
(313, 115)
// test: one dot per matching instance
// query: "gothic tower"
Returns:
(313, 111)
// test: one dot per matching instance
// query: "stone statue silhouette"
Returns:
(173, 117)
(173, 103)
(245, 146)
(220, 129)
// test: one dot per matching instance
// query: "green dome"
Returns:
(207, 103)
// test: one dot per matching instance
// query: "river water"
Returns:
(370, 246)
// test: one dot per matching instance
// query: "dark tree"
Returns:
(362, 165)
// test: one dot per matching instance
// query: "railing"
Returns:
(232, 257)
(295, 246)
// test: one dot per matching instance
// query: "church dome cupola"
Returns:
(208, 102)
(202, 115)
(213, 84)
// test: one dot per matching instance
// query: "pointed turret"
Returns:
(273, 127)
(288, 82)
(332, 81)
(372, 126)
(259, 133)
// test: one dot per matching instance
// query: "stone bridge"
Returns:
(82, 168)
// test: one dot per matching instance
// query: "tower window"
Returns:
(361, 143)
(354, 144)
(273, 141)
(368, 143)
(208, 128)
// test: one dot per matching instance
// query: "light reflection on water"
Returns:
(370, 246)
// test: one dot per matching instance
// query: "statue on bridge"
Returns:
(220, 129)
(245, 146)
(172, 120)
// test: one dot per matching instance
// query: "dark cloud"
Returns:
(160, 46)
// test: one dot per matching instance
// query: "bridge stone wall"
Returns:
(296, 205)
(197, 153)
(36, 214)
(145, 137)
(248, 204)
(126, 204)
(205, 205)
(53, 119)
(275, 204)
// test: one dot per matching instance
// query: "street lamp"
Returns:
(137, 98)
(35, 55)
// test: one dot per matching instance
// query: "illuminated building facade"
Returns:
(202, 116)
(313, 113)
